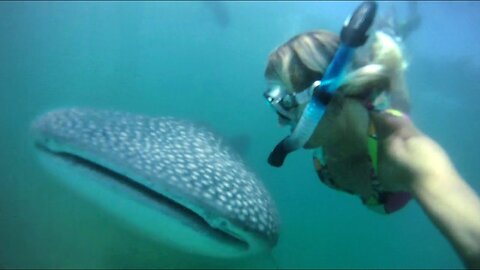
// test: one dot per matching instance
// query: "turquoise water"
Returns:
(193, 60)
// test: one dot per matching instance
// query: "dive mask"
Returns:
(285, 103)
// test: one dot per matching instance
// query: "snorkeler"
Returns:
(328, 112)
(365, 144)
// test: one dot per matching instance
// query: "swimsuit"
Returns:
(380, 201)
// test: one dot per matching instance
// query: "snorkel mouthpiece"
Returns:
(353, 35)
(279, 153)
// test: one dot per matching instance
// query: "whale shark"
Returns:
(191, 188)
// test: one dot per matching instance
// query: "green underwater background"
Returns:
(204, 61)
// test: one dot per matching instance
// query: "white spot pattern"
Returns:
(169, 154)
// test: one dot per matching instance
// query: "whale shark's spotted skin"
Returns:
(176, 158)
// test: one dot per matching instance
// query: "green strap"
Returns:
(372, 144)
(373, 151)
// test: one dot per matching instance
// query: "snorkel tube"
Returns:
(352, 36)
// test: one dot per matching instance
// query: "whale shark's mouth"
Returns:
(187, 215)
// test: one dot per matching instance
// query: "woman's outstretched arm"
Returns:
(413, 161)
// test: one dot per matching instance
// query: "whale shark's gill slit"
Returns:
(193, 218)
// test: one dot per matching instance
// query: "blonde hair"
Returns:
(304, 58)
